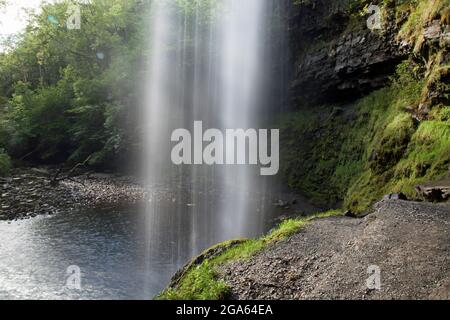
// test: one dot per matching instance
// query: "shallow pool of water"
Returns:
(108, 245)
(122, 253)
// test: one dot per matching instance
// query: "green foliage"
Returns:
(5, 163)
(63, 90)
(202, 283)
(66, 95)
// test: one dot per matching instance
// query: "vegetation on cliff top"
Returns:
(421, 12)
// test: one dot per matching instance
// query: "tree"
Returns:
(63, 89)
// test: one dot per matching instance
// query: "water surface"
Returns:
(113, 247)
(107, 244)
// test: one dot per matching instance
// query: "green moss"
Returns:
(437, 89)
(358, 153)
(309, 153)
(441, 113)
(392, 144)
(422, 12)
(427, 158)
(201, 282)
(428, 154)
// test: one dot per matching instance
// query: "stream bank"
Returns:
(29, 192)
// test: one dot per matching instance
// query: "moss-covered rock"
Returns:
(373, 147)
(208, 254)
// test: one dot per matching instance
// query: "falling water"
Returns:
(207, 64)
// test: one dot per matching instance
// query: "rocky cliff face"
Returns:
(338, 58)
(371, 106)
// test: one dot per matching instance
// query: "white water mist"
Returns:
(205, 67)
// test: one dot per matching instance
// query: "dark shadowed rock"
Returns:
(350, 214)
(395, 196)
(347, 60)
(438, 191)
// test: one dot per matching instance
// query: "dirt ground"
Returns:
(335, 258)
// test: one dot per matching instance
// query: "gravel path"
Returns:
(329, 258)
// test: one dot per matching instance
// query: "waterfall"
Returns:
(208, 62)
(240, 42)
